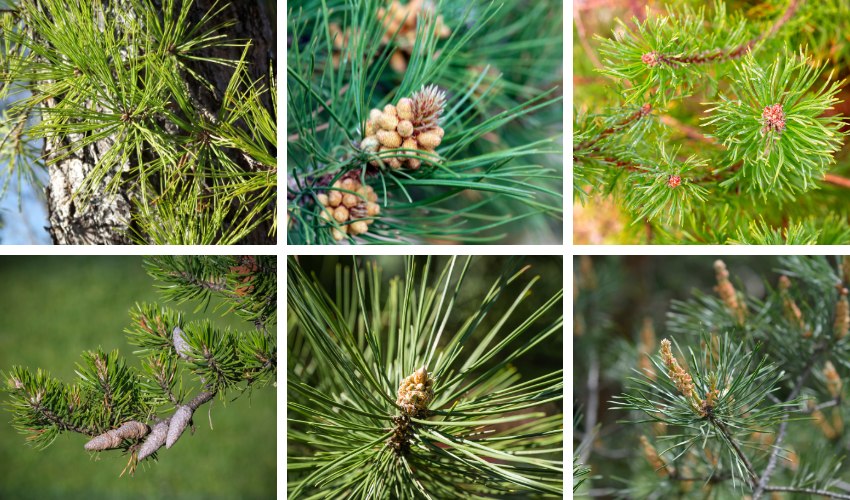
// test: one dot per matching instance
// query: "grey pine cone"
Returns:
(154, 441)
(178, 424)
(112, 438)
(180, 344)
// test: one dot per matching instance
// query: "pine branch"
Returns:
(810, 491)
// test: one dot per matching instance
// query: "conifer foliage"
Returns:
(742, 396)
(393, 394)
(713, 124)
(448, 110)
(155, 120)
(139, 411)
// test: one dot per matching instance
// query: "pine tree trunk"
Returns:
(105, 217)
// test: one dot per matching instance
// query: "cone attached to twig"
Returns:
(180, 345)
(154, 441)
(113, 438)
(177, 425)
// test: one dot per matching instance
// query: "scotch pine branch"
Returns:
(765, 105)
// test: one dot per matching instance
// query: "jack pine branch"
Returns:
(141, 411)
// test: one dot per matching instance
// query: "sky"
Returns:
(27, 225)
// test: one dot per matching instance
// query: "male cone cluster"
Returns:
(411, 124)
(415, 392)
(353, 212)
(400, 20)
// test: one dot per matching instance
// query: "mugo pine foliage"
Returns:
(184, 364)
(394, 393)
(429, 121)
(154, 120)
(712, 123)
(743, 396)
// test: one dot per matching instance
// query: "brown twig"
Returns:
(640, 113)
(811, 491)
(837, 180)
(723, 54)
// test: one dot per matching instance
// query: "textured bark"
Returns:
(104, 217)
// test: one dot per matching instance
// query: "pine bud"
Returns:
(773, 118)
(678, 375)
(842, 315)
(650, 59)
(359, 203)
(415, 392)
(429, 140)
(358, 227)
(351, 200)
(154, 441)
(177, 425)
(334, 198)
(374, 114)
(180, 345)
(341, 214)
(727, 292)
(822, 423)
(652, 457)
(833, 380)
(370, 144)
(674, 181)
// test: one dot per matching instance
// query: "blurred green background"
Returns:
(54, 308)
(483, 272)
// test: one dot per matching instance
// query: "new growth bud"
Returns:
(727, 292)
(652, 457)
(833, 380)
(415, 392)
(773, 118)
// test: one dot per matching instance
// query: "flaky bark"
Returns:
(105, 217)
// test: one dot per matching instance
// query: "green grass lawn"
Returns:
(54, 308)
